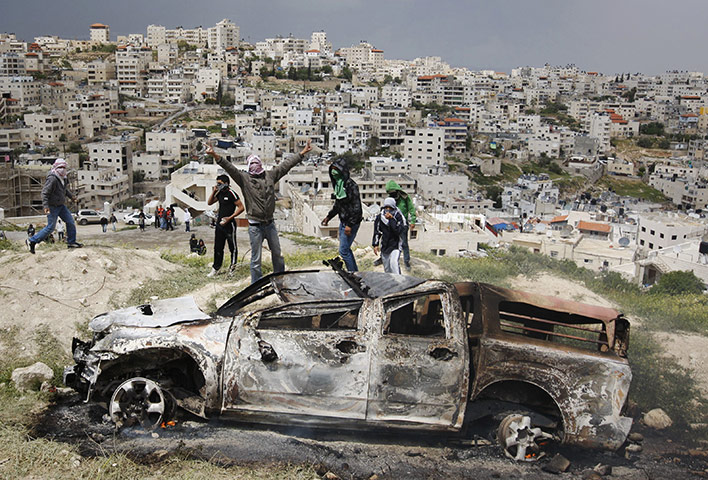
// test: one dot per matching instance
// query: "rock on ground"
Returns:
(31, 377)
(657, 419)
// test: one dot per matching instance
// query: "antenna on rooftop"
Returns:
(624, 242)
(540, 227)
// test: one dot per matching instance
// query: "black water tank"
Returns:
(703, 247)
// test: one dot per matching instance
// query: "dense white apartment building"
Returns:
(425, 149)
(600, 125)
(174, 143)
(49, 127)
(131, 69)
(24, 89)
(396, 96)
(438, 188)
(12, 64)
(150, 164)
(319, 42)
(657, 230)
(98, 186)
(388, 124)
(206, 84)
(100, 71)
(225, 34)
(362, 56)
(115, 154)
(100, 33)
(95, 113)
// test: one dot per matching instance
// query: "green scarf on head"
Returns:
(339, 192)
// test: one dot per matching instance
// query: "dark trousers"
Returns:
(224, 234)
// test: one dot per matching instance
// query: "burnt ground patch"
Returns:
(354, 454)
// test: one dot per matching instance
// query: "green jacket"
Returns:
(403, 201)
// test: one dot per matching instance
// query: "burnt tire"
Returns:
(520, 440)
(141, 401)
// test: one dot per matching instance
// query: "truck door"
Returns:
(307, 359)
(419, 366)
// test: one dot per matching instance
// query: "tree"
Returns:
(678, 283)
(347, 73)
(645, 142)
(138, 176)
(62, 138)
(652, 128)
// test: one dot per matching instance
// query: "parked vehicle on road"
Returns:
(87, 216)
(132, 218)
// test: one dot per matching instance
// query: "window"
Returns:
(652, 232)
(335, 316)
(420, 315)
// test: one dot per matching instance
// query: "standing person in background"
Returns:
(54, 196)
(230, 207)
(187, 219)
(104, 224)
(258, 189)
(169, 218)
(405, 204)
(30, 230)
(113, 221)
(157, 216)
(389, 228)
(347, 204)
(60, 229)
(141, 221)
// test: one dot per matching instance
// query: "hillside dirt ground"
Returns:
(63, 289)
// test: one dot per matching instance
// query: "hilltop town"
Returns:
(604, 169)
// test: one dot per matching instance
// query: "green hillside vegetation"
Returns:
(632, 188)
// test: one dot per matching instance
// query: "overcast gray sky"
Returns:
(609, 36)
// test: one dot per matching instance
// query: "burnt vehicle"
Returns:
(369, 349)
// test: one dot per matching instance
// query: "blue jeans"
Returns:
(57, 212)
(256, 234)
(345, 247)
(404, 247)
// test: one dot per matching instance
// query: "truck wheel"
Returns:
(140, 401)
(131, 222)
(83, 221)
(521, 441)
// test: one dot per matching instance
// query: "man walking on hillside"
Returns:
(347, 204)
(258, 189)
(54, 196)
(230, 207)
(407, 208)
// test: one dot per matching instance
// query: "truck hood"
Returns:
(160, 313)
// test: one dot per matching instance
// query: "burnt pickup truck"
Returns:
(368, 350)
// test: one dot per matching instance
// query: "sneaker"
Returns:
(232, 269)
(74, 245)
(30, 245)
(212, 273)
(378, 262)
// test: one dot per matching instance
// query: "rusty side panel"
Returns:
(317, 373)
(589, 391)
(419, 379)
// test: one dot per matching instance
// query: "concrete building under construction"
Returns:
(21, 187)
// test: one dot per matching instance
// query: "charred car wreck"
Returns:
(366, 350)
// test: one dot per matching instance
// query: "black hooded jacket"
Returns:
(349, 207)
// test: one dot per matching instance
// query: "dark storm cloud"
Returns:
(605, 35)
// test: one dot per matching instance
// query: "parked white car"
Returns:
(132, 218)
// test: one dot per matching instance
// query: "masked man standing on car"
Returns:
(347, 204)
(54, 196)
(258, 189)
(230, 207)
